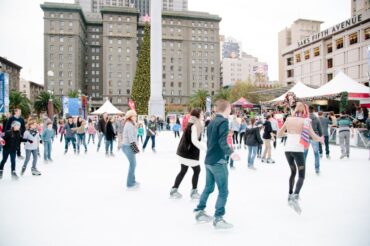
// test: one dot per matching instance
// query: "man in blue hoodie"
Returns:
(216, 166)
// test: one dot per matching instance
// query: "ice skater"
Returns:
(298, 129)
(216, 167)
(81, 134)
(253, 139)
(188, 152)
(70, 134)
(110, 136)
(31, 146)
(47, 138)
(151, 132)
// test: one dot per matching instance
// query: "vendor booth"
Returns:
(108, 108)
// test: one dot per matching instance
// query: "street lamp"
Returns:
(50, 102)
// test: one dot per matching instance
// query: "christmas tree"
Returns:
(141, 86)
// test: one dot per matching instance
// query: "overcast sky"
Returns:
(255, 23)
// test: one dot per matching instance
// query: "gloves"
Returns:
(2, 142)
(30, 141)
(40, 141)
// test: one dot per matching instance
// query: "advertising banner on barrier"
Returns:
(4, 92)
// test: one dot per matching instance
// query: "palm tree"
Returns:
(73, 94)
(223, 94)
(18, 100)
(199, 99)
(42, 100)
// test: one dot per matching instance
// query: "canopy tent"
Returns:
(300, 90)
(242, 102)
(108, 108)
(342, 83)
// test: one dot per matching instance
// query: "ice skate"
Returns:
(320, 156)
(201, 216)
(328, 157)
(154, 151)
(270, 161)
(14, 175)
(35, 172)
(263, 160)
(252, 168)
(194, 194)
(1, 174)
(293, 203)
(342, 156)
(317, 172)
(134, 187)
(23, 170)
(174, 194)
(20, 157)
(65, 152)
(220, 223)
(111, 154)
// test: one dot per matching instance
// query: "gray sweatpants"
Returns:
(344, 138)
(28, 157)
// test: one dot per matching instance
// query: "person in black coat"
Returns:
(253, 140)
(268, 136)
(16, 117)
(102, 123)
(109, 137)
(12, 139)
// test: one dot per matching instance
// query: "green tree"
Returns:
(141, 85)
(73, 94)
(198, 100)
(19, 100)
(42, 100)
(223, 94)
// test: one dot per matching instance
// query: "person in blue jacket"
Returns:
(176, 128)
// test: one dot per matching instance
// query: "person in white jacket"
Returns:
(31, 146)
(188, 153)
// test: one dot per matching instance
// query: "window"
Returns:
(339, 43)
(52, 39)
(289, 61)
(367, 33)
(307, 55)
(316, 51)
(61, 48)
(70, 23)
(330, 63)
(330, 76)
(298, 58)
(128, 50)
(353, 38)
(330, 48)
(61, 39)
(290, 73)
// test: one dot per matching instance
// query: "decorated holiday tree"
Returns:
(141, 87)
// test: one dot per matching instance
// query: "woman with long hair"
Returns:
(129, 146)
(188, 153)
(298, 129)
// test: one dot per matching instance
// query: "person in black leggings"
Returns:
(181, 175)
(296, 161)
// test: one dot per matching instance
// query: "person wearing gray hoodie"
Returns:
(31, 147)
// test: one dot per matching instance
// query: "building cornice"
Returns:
(7, 62)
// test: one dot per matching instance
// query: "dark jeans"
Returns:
(72, 140)
(242, 138)
(91, 136)
(215, 174)
(6, 154)
(181, 175)
(140, 137)
(235, 137)
(296, 161)
(81, 139)
(327, 151)
(259, 150)
(147, 139)
(274, 143)
(108, 146)
(61, 137)
(177, 133)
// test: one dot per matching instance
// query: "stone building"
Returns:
(13, 70)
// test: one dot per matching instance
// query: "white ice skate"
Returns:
(194, 194)
(220, 223)
(202, 217)
(174, 194)
(294, 203)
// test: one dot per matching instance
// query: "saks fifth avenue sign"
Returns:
(333, 30)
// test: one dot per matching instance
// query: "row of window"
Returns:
(61, 24)
(60, 38)
(61, 48)
(61, 65)
(60, 15)
(194, 70)
(61, 57)
(119, 18)
(205, 46)
(205, 61)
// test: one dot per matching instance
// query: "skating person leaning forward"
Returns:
(216, 166)
(298, 130)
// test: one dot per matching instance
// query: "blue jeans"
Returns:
(72, 140)
(147, 139)
(108, 146)
(47, 150)
(215, 174)
(315, 147)
(252, 152)
(93, 138)
(81, 139)
(100, 137)
(131, 157)
(28, 157)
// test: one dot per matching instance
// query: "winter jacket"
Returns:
(151, 129)
(102, 124)
(68, 130)
(176, 127)
(253, 137)
(110, 133)
(10, 121)
(12, 140)
(91, 129)
(217, 147)
(47, 135)
(187, 149)
(268, 130)
(129, 133)
(31, 135)
(316, 125)
(140, 131)
(344, 124)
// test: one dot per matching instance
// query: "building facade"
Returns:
(359, 6)
(175, 5)
(35, 90)
(247, 68)
(231, 48)
(24, 87)
(98, 54)
(316, 59)
(13, 70)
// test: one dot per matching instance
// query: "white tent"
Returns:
(108, 108)
(300, 90)
(342, 83)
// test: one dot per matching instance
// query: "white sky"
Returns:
(255, 23)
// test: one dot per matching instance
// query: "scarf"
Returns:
(195, 121)
(33, 132)
(305, 135)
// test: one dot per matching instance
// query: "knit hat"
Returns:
(130, 114)
(15, 123)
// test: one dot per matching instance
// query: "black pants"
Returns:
(6, 154)
(242, 138)
(177, 133)
(296, 160)
(181, 175)
(327, 151)
(235, 137)
(274, 143)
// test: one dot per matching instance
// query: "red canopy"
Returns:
(242, 102)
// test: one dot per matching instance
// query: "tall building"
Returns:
(299, 30)
(246, 68)
(231, 48)
(14, 71)
(98, 54)
(175, 5)
(316, 58)
(359, 6)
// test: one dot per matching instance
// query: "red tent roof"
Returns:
(242, 102)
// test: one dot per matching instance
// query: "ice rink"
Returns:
(83, 200)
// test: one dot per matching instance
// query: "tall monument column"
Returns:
(156, 102)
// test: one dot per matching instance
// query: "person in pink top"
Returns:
(185, 120)
(91, 131)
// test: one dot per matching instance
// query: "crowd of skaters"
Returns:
(224, 134)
